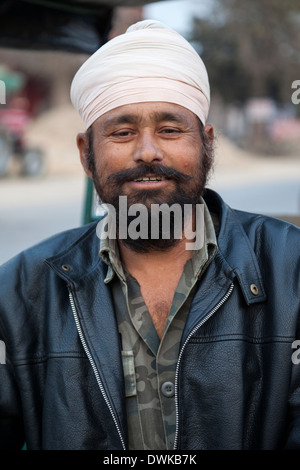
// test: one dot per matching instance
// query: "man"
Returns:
(119, 337)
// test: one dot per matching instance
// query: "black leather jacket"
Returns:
(238, 377)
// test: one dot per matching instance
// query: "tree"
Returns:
(251, 48)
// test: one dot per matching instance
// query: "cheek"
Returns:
(186, 156)
(111, 159)
(105, 164)
(190, 165)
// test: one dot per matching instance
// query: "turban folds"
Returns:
(150, 62)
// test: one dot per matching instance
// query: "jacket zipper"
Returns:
(212, 312)
(94, 367)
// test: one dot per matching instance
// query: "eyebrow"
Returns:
(157, 116)
(123, 119)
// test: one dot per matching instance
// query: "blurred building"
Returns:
(48, 74)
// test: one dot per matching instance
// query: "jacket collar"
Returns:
(79, 258)
(80, 266)
(235, 248)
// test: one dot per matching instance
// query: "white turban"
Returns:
(150, 62)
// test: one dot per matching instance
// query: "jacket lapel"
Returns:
(235, 260)
(235, 250)
(81, 268)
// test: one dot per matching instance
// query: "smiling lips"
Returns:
(149, 182)
(147, 179)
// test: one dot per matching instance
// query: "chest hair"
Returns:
(158, 300)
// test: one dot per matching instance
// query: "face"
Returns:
(149, 152)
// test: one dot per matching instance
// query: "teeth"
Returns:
(149, 178)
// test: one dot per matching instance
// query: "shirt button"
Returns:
(168, 389)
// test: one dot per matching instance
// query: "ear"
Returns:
(82, 141)
(209, 130)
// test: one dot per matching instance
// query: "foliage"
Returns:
(251, 48)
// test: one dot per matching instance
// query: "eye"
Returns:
(122, 133)
(169, 131)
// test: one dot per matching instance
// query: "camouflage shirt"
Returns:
(149, 363)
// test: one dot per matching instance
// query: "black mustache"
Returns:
(144, 170)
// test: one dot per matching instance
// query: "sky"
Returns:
(177, 13)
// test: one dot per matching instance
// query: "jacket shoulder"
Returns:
(33, 257)
(57, 242)
(263, 226)
(256, 226)
(276, 244)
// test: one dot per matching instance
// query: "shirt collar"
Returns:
(205, 254)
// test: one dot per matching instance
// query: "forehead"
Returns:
(149, 112)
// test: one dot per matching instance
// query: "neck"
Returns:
(158, 262)
(158, 273)
(155, 261)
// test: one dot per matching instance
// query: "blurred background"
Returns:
(252, 53)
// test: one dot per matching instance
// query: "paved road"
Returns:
(273, 198)
(33, 209)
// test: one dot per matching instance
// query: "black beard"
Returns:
(166, 237)
(183, 194)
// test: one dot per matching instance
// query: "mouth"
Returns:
(150, 182)
(147, 179)
(143, 175)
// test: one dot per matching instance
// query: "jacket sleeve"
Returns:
(293, 435)
(11, 426)
(293, 432)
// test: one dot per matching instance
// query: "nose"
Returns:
(147, 148)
